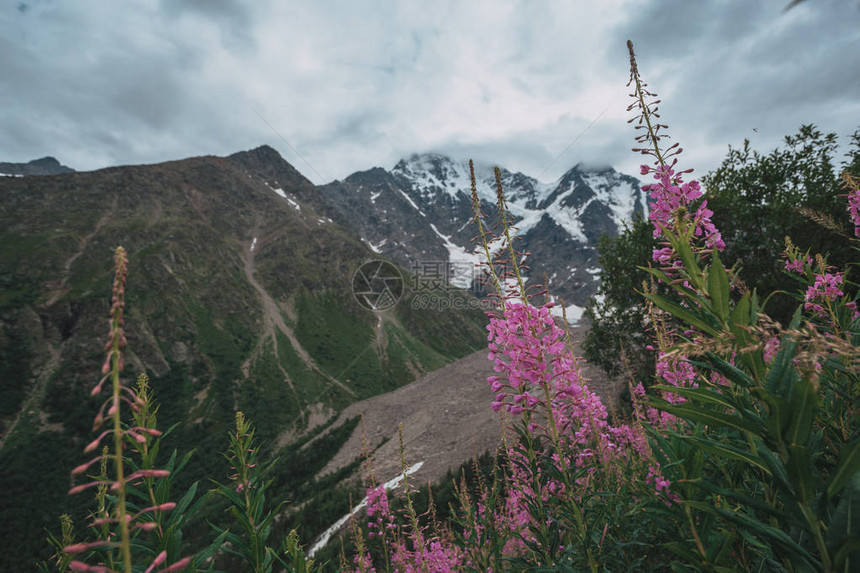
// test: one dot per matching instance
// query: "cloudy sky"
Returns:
(338, 87)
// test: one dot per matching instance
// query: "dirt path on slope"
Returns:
(273, 319)
(62, 289)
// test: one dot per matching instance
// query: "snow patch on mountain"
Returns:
(323, 539)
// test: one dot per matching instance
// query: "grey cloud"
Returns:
(233, 17)
(355, 85)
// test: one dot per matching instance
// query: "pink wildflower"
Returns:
(827, 288)
(854, 208)
(378, 511)
(771, 347)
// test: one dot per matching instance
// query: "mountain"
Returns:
(419, 214)
(240, 296)
(43, 166)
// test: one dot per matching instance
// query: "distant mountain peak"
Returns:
(44, 166)
(263, 152)
(420, 212)
(593, 167)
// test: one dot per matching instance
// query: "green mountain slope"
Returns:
(239, 297)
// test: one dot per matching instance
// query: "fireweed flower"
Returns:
(670, 199)
(826, 289)
(531, 355)
(134, 437)
(853, 186)
(797, 266)
(378, 511)
(525, 345)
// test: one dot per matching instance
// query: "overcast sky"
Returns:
(338, 87)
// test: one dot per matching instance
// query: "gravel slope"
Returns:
(446, 417)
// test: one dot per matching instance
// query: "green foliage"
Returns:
(15, 357)
(252, 516)
(757, 201)
(763, 465)
(760, 199)
(617, 316)
(24, 510)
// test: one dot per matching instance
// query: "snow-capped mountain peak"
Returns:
(420, 212)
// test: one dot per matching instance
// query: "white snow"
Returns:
(619, 196)
(462, 262)
(280, 192)
(574, 312)
(254, 243)
(10, 175)
(411, 202)
(373, 196)
(375, 248)
(326, 535)
(433, 175)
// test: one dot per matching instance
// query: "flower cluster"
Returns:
(436, 557)
(826, 289)
(797, 266)
(526, 346)
(378, 511)
(671, 198)
(539, 374)
(853, 186)
(795, 261)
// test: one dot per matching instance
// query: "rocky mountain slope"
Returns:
(419, 214)
(239, 297)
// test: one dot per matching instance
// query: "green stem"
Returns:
(816, 534)
(479, 219)
(503, 216)
(118, 433)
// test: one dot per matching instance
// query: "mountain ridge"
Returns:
(419, 212)
(44, 166)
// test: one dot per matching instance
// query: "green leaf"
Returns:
(730, 452)
(846, 469)
(681, 245)
(677, 286)
(776, 536)
(728, 370)
(681, 313)
(697, 414)
(844, 530)
(799, 468)
(178, 512)
(203, 555)
(718, 287)
(783, 375)
(777, 469)
(778, 412)
(701, 395)
(741, 314)
(804, 404)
